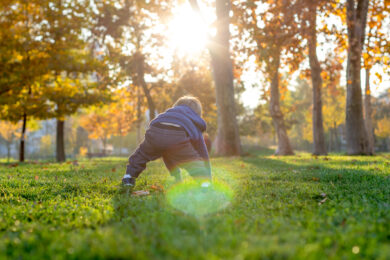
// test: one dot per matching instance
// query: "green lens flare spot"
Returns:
(198, 199)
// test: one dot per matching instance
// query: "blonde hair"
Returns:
(191, 102)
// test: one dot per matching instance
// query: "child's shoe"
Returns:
(128, 181)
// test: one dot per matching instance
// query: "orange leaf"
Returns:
(141, 193)
(157, 187)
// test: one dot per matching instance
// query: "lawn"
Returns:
(291, 207)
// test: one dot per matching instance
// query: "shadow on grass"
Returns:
(341, 179)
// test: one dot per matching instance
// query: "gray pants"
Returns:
(174, 146)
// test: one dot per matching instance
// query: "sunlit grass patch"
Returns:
(199, 200)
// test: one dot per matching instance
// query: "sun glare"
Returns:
(187, 32)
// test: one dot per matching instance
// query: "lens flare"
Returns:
(198, 198)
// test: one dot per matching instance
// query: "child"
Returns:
(176, 136)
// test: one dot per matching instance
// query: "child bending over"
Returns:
(176, 136)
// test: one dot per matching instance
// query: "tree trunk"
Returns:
(60, 148)
(368, 114)
(337, 143)
(331, 136)
(284, 147)
(141, 82)
(139, 117)
(228, 139)
(356, 134)
(319, 147)
(8, 150)
(22, 138)
(104, 144)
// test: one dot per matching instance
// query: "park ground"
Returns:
(305, 207)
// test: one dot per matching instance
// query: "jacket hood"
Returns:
(192, 115)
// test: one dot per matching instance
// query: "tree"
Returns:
(373, 53)
(114, 119)
(49, 59)
(25, 62)
(383, 128)
(276, 32)
(28, 104)
(319, 147)
(8, 131)
(333, 97)
(68, 95)
(356, 133)
(131, 26)
(228, 138)
(70, 64)
(13, 25)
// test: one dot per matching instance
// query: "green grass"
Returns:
(292, 207)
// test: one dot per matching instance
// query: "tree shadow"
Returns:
(340, 179)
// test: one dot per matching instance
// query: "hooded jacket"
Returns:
(192, 123)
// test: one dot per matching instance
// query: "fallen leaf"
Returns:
(157, 187)
(141, 193)
(322, 201)
(36, 177)
(315, 179)
(242, 165)
(113, 169)
(326, 159)
(75, 163)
